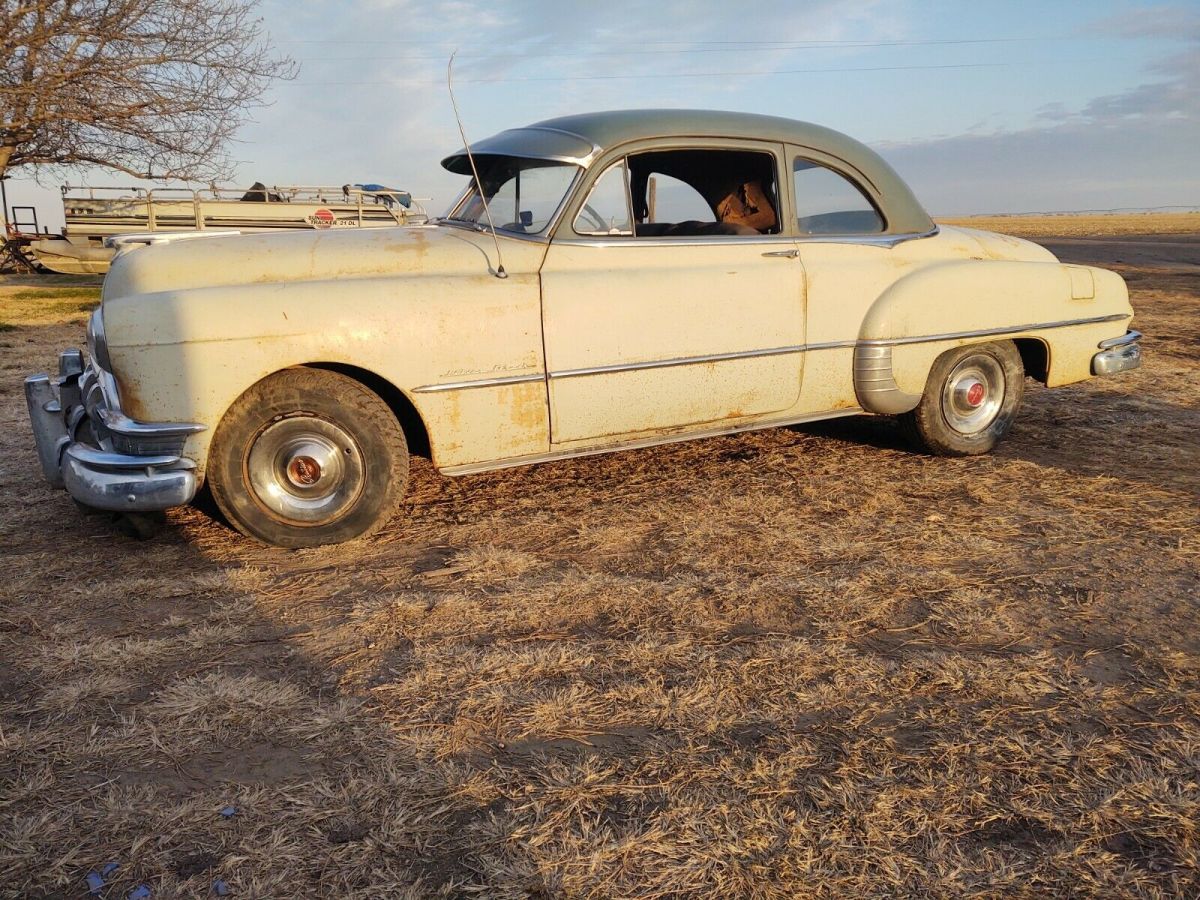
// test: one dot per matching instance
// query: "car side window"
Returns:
(701, 192)
(526, 199)
(606, 210)
(671, 200)
(829, 203)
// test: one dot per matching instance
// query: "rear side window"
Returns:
(829, 203)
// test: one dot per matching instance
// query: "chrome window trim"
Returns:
(872, 196)
(987, 332)
(623, 162)
(638, 146)
(869, 240)
(686, 241)
(887, 241)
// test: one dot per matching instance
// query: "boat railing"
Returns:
(339, 195)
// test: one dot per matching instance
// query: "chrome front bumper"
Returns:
(103, 458)
(1118, 354)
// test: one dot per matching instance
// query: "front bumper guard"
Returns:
(1118, 354)
(153, 477)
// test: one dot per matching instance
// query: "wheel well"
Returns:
(1035, 357)
(406, 414)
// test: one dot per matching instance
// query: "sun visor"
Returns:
(527, 143)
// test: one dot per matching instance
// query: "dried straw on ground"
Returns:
(801, 661)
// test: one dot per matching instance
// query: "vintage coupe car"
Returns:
(605, 282)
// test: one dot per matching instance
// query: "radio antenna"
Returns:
(499, 273)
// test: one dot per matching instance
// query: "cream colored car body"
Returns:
(191, 326)
(595, 342)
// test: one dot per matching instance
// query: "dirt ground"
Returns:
(805, 661)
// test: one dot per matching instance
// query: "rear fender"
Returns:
(946, 305)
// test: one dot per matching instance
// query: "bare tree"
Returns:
(152, 88)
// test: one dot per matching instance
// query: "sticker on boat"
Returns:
(322, 218)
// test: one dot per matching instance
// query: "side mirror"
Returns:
(526, 218)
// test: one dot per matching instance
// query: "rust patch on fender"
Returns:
(131, 402)
(528, 408)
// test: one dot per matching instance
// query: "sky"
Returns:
(986, 107)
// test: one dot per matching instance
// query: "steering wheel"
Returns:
(589, 212)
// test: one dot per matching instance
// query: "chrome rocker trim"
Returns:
(104, 459)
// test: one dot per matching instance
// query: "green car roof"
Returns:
(581, 138)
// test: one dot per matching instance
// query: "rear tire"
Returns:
(308, 457)
(971, 397)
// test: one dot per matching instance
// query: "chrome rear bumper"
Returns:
(1118, 354)
(104, 459)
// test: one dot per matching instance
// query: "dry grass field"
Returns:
(797, 662)
(1090, 225)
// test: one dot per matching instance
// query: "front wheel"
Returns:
(308, 457)
(970, 400)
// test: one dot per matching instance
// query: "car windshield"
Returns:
(523, 194)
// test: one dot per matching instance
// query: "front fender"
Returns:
(188, 355)
(1069, 309)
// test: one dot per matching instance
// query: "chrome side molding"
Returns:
(478, 383)
(677, 361)
(988, 332)
(872, 369)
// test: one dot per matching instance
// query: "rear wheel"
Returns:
(308, 457)
(970, 400)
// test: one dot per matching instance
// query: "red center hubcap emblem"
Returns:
(975, 394)
(304, 470)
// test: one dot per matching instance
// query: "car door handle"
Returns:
(785, 254)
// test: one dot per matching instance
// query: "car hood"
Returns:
(301, 256)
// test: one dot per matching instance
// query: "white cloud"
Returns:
(1073, 166)
(371, 102)
(1134, 149)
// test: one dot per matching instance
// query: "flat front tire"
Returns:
(308, 457)
(970, 400)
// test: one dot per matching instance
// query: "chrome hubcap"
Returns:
(973, 394)
(305, 471)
